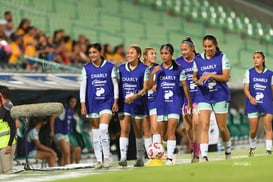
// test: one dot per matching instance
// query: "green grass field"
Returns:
(239, 168)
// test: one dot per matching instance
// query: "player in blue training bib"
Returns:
(132, 104)
(191, 121)
(168, 78)
(258, 88)
(211, 72)
(150, 124)
(99, 98)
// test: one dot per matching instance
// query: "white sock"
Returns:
(147, 142)
(227, 146)
(204, 149)
(171, 144)
(252, 142)
(156, 138)
(105, 140)
(123, 145)
(140, 148)
(268, 145)
(97, 144)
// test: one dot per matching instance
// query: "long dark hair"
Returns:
(214, 40)
(170, 48)
(263, 56)
(95, 46)
(189, 42)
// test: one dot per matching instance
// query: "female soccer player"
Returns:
(132, 104)
(61, 126)
(191, 121)
(168, 78)
(211, 72)
(99, 98)
(35, 148)
(258, 88)
(150, 123)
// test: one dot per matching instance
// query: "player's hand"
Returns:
(130, 99)
(83, 110)
(253, 101)
(115, 107)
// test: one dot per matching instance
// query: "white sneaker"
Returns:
(107, 163)
(169, 162)
(99, 165)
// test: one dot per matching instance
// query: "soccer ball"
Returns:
(155, 151)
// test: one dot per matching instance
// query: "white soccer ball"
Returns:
(155, 151)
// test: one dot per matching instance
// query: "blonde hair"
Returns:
(145, 53)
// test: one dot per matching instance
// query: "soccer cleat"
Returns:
(269, 152)
(99, 165)
(227, 155)
(107, 163)
(251, 152)
(122, 163)
(205, 159)
(195, 159)
(169, 162)
(139, 163)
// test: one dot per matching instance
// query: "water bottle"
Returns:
(219, 147)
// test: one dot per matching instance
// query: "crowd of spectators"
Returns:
(28, 40)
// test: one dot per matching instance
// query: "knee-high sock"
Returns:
(96, 144)
(147, 142)
(227, 146)
(105, 140)
(123, 145)
(171, 144)
(252, 142)
(268, 145)
(204, 149)
(140, 148)
(156, 138)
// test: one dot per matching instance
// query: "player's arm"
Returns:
(246, 89)
(83, 91)
(116, 89)
(51, 125)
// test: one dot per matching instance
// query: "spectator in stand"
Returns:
(107, 52)
(53, 56)
(118, 56)
(23, 26)
(16, 51)
(83, 41)
(78, 57)
(35, 148)
(8, 16)
(5, 50)
(29, 47)
(43, 50)
(3, 26)
(9, 26)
